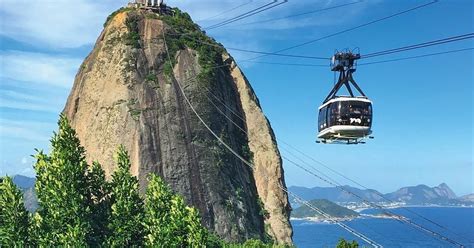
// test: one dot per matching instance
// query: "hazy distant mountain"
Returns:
(335, 194)
(467, 198)
(27, 185)
(423, 194)
(325, 206)
(23, 181)
(419, 195)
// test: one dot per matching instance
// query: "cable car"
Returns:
(345, 119)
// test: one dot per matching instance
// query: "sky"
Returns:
(423, 108)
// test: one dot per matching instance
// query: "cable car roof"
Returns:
(345, 99)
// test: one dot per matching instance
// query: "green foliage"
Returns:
(127, 213)
(263, 212)
(185, 33)
(326, 206)
(132, 38)
(344, 244)
(169, 222)
(13, 216)
(61, 185)
(99, 203)
(111, 16)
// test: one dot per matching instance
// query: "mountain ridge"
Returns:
(420, 194)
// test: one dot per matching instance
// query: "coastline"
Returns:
(370, 216)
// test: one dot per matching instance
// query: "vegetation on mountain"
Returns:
(327, 207)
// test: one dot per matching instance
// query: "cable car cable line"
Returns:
(300, 14)
(351, 230)
(418, 56)
(249, 164)
(352, 28)
(336, 184)
(249, 51)
(227, 11)
(421, 45)
(364, 64)
(246, 15)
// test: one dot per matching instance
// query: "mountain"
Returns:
(129, 91)
(23, 182)
(27, 186)
(414, 195)
(335, 194)
(328, 207)
(467, 198)
(423, 194)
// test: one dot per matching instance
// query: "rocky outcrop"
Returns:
(127, 92)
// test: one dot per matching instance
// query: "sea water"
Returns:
(454, 223)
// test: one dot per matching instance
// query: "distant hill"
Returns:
(335, 194)
(23, 181)
(327, 207)
(467, 198)
(423, 194)
(27, 186)
(413, 195)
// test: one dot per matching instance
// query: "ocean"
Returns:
(459, 223)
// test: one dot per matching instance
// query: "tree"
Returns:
(168, 221)
(13, 215)
(344, 244)
(61, 186)
(99, 203)
(127, 215)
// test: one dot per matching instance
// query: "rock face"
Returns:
(128, 92)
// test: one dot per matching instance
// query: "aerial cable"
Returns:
(421, 45)
(226, 11)
(246, 13)
(351, 230)
(363, 64)
(300, 14)
(246, 16)
(334, 183)
(249, 51)
(418, 56)
(351, 29)
(233, 111)
(263, 7)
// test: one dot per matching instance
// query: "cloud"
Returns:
(38, 68)
(55, 23)
(26, 131)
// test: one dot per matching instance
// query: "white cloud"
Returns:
(25, 130)
(38, 68)
(55, 23)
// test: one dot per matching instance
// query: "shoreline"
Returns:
(370, 216)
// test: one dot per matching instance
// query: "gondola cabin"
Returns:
(345, 119)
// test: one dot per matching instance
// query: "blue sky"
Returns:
(423, 107)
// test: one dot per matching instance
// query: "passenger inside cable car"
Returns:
(341, 112)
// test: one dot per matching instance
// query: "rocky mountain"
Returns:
(423, 194)
(328, 207)
(27, 186)
(335, 194)
(23, 182)
(414, 195)
(129, 91)
(467, 198)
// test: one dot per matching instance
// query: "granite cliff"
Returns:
(127, 92)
